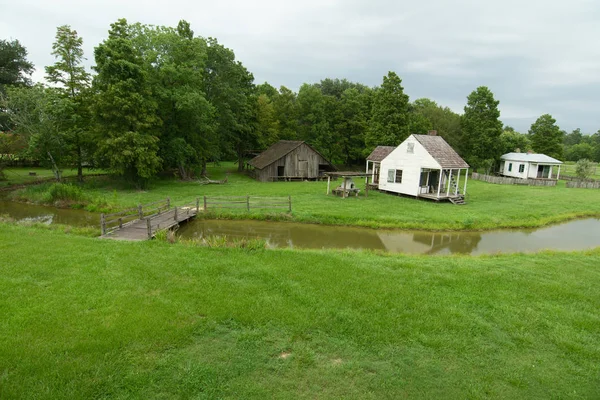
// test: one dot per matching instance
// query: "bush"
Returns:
(584, 168)
(64, 192)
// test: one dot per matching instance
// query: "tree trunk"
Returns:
(203, 173)
(55, 169)
(79, 165)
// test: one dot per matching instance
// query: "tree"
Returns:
(546, 137)
(481, 129)
(124, 109)
(72, 110)
(266, 122)
(584, 168)
(287, 112)
(442, 119)
(514, 141)
(175, 62)
(14, 71)
(390, 119)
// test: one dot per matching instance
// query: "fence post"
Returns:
(197, 205)
(175, 215)
(120, 222)
(289, 203)
(140, 211)
(248, 202)
(204, 203)
(102, 224)
(149, 226)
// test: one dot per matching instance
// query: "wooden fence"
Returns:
(503, 180)
(583, 184)
(247, 203)
(118, 220)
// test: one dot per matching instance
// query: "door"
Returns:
(303, 169)
(376, 174)
(281, 171)
(434, 180)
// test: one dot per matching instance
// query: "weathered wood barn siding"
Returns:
(292, 163)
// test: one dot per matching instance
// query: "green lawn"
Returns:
(16, 176)
(489, 206)
(568, 168)
(90, 318)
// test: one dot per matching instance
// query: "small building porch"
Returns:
(443, 184)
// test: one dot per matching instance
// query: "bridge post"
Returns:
(197, 205)
(149, 226)
(168, 203)
(204, 203)
(289, 203)
(102, 224)
(120, 223)
(140, 211)
(175, 215)
(248, 202)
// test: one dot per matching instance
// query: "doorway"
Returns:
(281, 171)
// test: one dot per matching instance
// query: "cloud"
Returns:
(536, 56)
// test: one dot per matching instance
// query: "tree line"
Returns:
(164, 99)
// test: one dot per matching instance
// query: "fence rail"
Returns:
(111, 222)
(503, 180)
(247, 203)
(583, 184)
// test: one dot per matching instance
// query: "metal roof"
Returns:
(527, 157)
(380, 153)
(441, 151)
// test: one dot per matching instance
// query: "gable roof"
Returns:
(441, 151)
(380, 153)
(279, 150)
(526, 157)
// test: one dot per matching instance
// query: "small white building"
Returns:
(529, 166)
(424, 166)
(374, 162)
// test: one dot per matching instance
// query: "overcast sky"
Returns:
(537, 56)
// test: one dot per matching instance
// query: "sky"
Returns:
(538, 57)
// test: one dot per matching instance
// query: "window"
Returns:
(522, 168)
(398, 176)
(509, 167)
(410, 148)
(391, 175)
(394, 176)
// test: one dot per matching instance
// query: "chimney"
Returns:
(529, 152)
(517, 150)
(432, 133)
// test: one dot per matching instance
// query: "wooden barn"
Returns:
(289, 160)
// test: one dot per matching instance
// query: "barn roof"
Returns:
(380, 153)
(441, 151)
(530, 157)
(277, 151)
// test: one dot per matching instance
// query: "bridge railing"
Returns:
(111, 222)
(184, 211)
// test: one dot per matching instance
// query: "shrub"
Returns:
(64, 192)
(584, 168)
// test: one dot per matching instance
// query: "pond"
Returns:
(573, 235)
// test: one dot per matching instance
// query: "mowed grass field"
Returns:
(18, 176)
(90, 318)
(489, 206)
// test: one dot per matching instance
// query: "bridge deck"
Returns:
(138, 229)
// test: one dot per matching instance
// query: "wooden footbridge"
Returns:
(145, 220)
(142, 222)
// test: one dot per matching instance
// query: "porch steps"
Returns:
(459, 201)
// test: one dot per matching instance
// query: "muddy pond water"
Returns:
(573, 235)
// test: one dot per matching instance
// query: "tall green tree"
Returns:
(355, 110)
(442, 119)
(546, 137)
(175, 62)
(267, 124)
(481, 129)
(512, 140)
(71, 110)
(15, 70)
(124, 108)
(390, 114)
(287, 112)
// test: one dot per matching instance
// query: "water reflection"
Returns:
(48, 215)
(574, 235)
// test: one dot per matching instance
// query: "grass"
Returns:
(18, 176)
(568, 168)
(89, 318)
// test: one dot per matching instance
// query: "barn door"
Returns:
(303, 169)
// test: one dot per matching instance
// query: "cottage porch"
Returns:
(443, 184)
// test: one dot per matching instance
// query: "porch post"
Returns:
(449, 180)
(328, 181)
(457, 183)
(466, 178)
(550, 173)
(558, 174)
(440, 183)
(366, 172)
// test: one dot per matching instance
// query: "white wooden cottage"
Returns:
(374, 161)
(424, 166)
(529, 166)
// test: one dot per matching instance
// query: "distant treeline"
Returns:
(162, 98)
